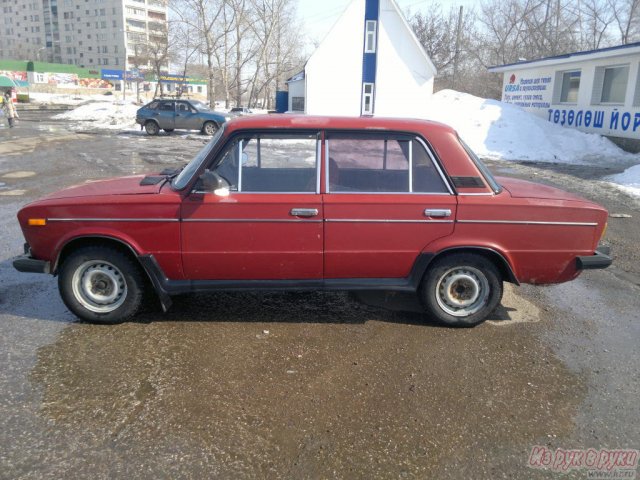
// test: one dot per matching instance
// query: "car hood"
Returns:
(114, 186)
(524, 189)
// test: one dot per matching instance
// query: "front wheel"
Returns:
(461, 290)
(209, 128)
(152, 128)
(101, 285)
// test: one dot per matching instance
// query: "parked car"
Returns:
(238, 111)
(305, 203)
(168, 115)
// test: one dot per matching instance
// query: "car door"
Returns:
(165, 114)
(386, 199)
(187, 116)
(268, 224)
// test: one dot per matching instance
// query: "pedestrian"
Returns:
(10, 109)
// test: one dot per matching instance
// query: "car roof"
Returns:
(302, 122)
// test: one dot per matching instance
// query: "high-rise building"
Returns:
(86, 33)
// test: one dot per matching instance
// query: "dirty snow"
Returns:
(501, 131)
(629, 180)
(106, 113)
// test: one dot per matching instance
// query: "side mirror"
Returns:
(211, 181)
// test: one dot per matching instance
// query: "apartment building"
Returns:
(86, 33)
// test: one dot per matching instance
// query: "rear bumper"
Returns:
(28, 264)
(600, 259)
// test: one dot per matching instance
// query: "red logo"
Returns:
(512, 79)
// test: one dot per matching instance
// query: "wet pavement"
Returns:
(302, 385)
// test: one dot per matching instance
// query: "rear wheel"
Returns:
(152, 128)
(209, 128)
(101, 285)
(461, 290)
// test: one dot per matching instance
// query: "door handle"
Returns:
(303, 212)
(437, 212)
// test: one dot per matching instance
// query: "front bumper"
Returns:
(26, 263)
(600, 259)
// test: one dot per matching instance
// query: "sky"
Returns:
(319, 16)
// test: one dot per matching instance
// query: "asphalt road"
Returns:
(303, 385)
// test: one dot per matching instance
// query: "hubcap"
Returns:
(99, 286)
(462, 291)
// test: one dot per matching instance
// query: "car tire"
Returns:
(169, 130)
(101, 285)
(209, 128)
(461, 290)
(152, 128)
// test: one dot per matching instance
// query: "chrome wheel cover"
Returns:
(462, 291)
(99, 286)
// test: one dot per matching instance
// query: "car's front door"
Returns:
(268, 225)
(386, 201)
(165, 114)
(187, 116)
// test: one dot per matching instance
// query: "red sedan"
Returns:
(307, 203)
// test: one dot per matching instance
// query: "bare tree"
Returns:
(626, 14)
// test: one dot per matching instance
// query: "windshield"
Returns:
(187, 172)
(486, 173)
(199, 105)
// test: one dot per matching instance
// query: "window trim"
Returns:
(604, 73)
(242, 137)
(365, 95)
(562, 74)
(370, 34)
(392, 135)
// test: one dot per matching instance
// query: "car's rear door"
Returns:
(165, 114)
(268, 226)
(386, 200)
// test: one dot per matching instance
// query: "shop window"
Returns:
(570, 87)
(614, 84)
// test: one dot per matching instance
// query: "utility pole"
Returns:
(456, 56)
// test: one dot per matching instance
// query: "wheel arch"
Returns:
(494, 256)
(93, 240)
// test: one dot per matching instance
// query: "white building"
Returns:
(86, 33)
(596, 91)
(370, 63)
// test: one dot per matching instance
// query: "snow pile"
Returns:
(629, 180)
(104, 114)
(502, 131)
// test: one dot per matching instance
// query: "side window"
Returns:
(426, 178)
(381, 165)
(271, 163)
(153, 105)
(184, 107)
(166, 106)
